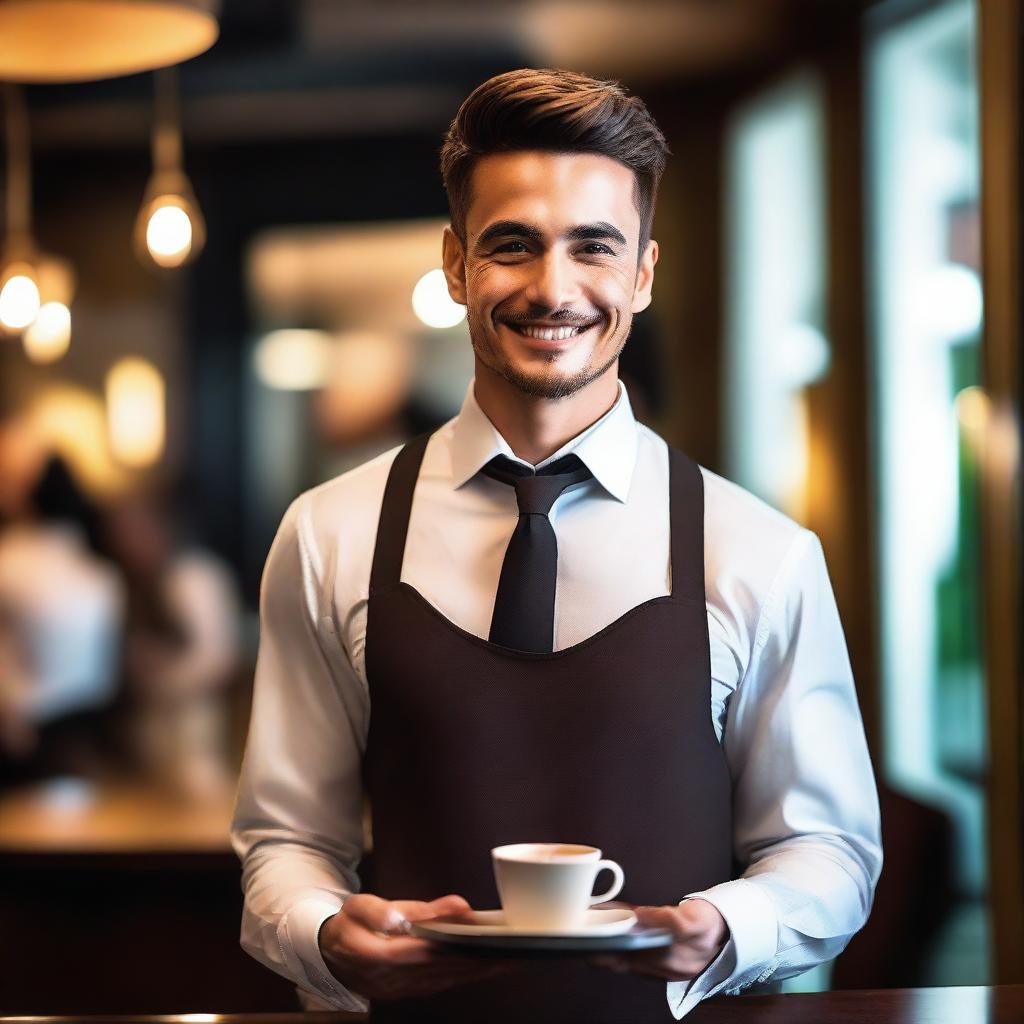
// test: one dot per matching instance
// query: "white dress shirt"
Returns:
(61, 611)
(805, 809)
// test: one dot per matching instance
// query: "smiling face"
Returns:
(549, 272)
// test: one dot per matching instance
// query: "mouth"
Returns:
(549, 336)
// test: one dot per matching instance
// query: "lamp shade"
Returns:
(81, 40)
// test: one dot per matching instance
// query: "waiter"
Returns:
(543, 623)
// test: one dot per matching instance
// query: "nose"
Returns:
(553, 282)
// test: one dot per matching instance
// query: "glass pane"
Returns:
(927, 314)
(775, 237)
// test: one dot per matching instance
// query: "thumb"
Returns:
(450, 904)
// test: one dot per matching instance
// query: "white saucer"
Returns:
(613, 921)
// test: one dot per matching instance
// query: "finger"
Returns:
(374, 913)
(450, 904)
(366, 945)
(667, 917)
(419, 910)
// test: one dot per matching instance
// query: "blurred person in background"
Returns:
(181, 651)
(61, 606)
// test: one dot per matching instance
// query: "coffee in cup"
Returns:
(549, 886)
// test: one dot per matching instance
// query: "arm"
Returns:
(297, 825)
(805, 808)
(805, 805)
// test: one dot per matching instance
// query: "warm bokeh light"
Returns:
(371, 374)
(169, 232)
(432, 303)
(973, 409)
(48, 336)
(19, 301)
(72, 422)
(293, 360)
(135, 412)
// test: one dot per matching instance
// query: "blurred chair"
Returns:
(913, 901)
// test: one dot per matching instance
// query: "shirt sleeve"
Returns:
(805, 805)
(297, 825)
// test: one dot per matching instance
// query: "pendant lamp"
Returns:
(35, 287)
(82, 40)
(169, 229)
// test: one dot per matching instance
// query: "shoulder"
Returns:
(755, 556)
(742, 529)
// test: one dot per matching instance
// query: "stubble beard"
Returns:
(537, 385)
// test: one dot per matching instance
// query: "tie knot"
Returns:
(536, 491)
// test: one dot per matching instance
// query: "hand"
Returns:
(369, 950)
(700, 933)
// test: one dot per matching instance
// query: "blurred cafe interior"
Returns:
(221, 286)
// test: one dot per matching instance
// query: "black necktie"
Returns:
(524, 608)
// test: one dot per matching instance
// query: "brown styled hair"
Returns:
(559, 111)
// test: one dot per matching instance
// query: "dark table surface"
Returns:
(995, 1005)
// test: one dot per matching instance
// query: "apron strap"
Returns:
(686, 511)
(393, 525)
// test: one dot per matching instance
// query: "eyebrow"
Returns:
(580, 233)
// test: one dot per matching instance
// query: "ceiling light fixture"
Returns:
(169, 229)
(83, 40)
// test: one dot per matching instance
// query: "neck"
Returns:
(537, 427)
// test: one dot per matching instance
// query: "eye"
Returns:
(597, 249)
(507, 247)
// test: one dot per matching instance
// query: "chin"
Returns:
(551, 384)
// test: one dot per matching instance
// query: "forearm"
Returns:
(795, 908)
(290, 889)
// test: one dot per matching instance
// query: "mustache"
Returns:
(564, 317)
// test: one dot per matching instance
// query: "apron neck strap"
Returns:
(393, 525)
(686, 511)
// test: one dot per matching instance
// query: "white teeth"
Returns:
(549, 333)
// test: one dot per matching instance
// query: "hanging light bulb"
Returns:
(47, 338)
(169, 229)
(35, 290)
(19, 290)
(19, 296)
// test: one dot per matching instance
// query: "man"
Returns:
(542, 623)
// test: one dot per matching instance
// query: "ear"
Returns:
(453, 260)
(645, 278)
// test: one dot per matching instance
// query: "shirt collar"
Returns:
(607, 448)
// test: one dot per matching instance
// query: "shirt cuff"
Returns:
(748, 956)
(298, 935)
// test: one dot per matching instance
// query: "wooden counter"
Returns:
(996, 1005)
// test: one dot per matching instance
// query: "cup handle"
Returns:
(616, 886)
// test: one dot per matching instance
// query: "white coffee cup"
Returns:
(549, 886)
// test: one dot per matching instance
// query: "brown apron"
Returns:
(609, 742)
